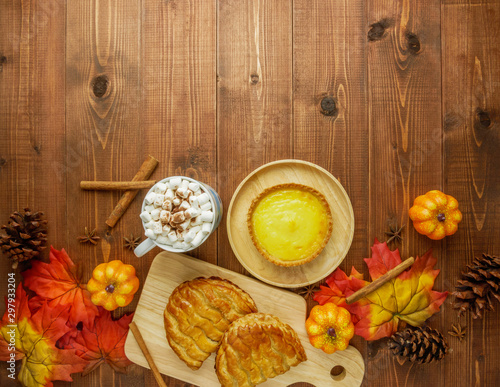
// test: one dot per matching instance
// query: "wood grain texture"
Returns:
(254, 109)
(404, 78)
(330, 61)
(103, 137)
(471, 113)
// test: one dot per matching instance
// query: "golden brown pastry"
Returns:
(257, 347)
(199, 312)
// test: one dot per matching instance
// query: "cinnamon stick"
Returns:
(145, 171)
(142, 344)
(116, 185)
(363, 292)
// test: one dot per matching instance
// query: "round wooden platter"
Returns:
(290, 171)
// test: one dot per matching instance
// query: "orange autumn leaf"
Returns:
(34, 335)
(59, 283)
(103, 343)
(408, 297)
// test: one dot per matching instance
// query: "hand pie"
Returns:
(290, 224)
(199, 312)
(257, 347)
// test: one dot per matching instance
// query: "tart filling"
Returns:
(290, 224)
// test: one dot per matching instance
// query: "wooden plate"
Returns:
(169, 269)
(290, 171)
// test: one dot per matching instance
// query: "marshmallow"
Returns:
(184, 206)
(149, 208)
(191, 234)
(176, 202)
(184, 225)
(180, 235)
(155, 214)
(160, 198)
(183, 192)
(150, 198)
(207, 206)
(160, 188)
(203, 198)
(150, 234)
(167, 205)
(185, 183)
(194, 187)
(196, 221)
(193, 200)
(163, 240)
(178, 217)
(174, 183)
(198, 238)
(172, 236)
(191, 213)
(149, 224)
(205, 229)
(177, 245)
(157, 228)
(185, 246)
(207, 216)
(145, 216)
(165, 216)
(195, 228)
(166, 228)
(169, 194)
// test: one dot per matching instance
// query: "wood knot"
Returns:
(377, 30)
(3, 60)
(254, 79)
(483, 118)
(413, 43)
(100, 85)
(2, 161)
(328, 106)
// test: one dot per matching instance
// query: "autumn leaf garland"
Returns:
(59, 331)
(408, 297)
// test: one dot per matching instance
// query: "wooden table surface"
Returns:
(394, 98)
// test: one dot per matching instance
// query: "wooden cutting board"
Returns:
(168, 270)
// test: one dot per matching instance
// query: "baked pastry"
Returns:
(199, 312)
(255, 348)
(290, 224)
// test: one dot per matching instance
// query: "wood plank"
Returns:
(404, 78)
(178, 108)
(254, 101)
(330, 64)
(471, 125)
(103, 137)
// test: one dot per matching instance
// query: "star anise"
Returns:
(395, 233)
(131, 242)
(89, 237)
(457, 331)
(307, 291)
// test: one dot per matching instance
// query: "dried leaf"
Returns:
(35, 336)
(59, 283)
(408, 297)
(104, 343)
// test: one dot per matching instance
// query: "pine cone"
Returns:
(421, 345)
(478, 285)
(24, 237)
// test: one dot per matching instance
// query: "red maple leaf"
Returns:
(58, 283)
(34, 335)
(103, 343)
(408, 297)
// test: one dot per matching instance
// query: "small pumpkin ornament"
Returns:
(435, 214)
(329, 327)
(113, 284)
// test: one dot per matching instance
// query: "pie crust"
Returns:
(290, 224)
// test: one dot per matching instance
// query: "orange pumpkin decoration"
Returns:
(113, 284)
(329, 327)
(435, 214)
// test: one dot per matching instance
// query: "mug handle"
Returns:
(146, 246)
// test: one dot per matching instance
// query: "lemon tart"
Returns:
(290, 224)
